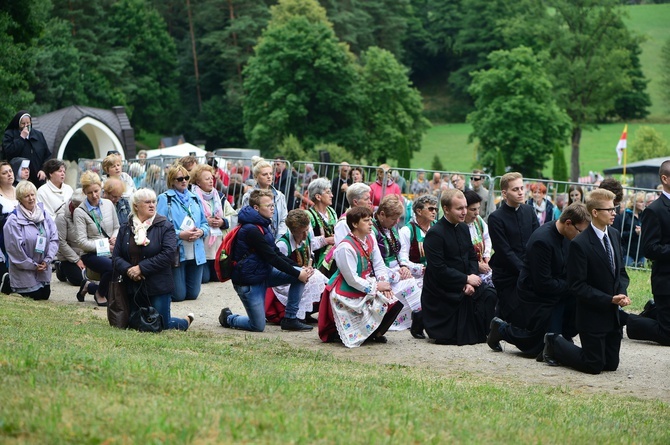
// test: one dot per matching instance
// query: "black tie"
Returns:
(608, 249)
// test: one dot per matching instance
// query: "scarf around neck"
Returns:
(140, 228)
(182, 197)
(36, 216)
(211, 202)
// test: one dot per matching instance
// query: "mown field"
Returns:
(450, 143)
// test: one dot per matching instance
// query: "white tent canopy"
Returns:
(177, 150)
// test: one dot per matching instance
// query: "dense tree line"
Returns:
(188, 66)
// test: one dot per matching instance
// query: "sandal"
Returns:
(83, 290)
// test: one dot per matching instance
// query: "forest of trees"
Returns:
(240, 73)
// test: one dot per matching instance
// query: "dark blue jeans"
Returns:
(253, 299)
(102, 265)
(187, 280)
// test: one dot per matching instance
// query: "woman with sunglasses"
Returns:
(412, 254)
(184, 210)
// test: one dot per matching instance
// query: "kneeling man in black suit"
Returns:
(598, 279)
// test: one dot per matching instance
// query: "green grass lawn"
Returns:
(450, 143)
(652, 21)
(67, 377)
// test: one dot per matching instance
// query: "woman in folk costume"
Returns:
(358, 304)
(479, 233)
(322, 218)
(218, 213)
(412, 253)
(406, 288)
(296, 244)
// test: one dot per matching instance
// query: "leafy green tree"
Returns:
(560, 170)
(103, 63)
(500, 167)
(665, 69)
(291, 149)
(633, 103)
(516, 113)
(391, 113)
(337, 153)
(648, 143)
(436, 164)
(151, 85)
(58, 76)
(220, 122)
(301, 81)
(15, 62)
(480, 33)
(587, 57)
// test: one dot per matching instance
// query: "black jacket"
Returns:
(155, 258)
(591, 280)
(656, 243)
(510, 230)
(34, 148)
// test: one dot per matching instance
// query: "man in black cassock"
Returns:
(457, 307)
(510, 227)
(546, 303)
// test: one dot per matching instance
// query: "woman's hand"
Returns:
(42, 266)
(383, 286)
(25, 133)
(191, 235)
(80, 264)
(405, 273)
(214, 222)
(134, 273)
(41, 175)
(483, 267)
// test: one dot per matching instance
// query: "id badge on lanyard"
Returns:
(41, 244)
(102, 247)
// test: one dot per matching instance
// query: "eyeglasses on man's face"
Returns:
(268, 206)
(611, 210)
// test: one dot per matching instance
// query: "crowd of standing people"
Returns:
(355, 259)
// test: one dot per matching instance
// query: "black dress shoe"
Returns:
(293, 324)
(649, 310)
(548, 352)
(494, 337)
(417, 325)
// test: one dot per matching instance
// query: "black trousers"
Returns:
(40, 294)
(599, 352)
(642, 328)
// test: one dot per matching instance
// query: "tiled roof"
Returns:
(56, 124)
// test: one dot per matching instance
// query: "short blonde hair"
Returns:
(110, 161)
(597, 197)
(174, 171)
(198, 170)
(23, 188)
(88, 179)
(634, 198)
(509, 177)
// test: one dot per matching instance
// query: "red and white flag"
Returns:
(621, 146)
